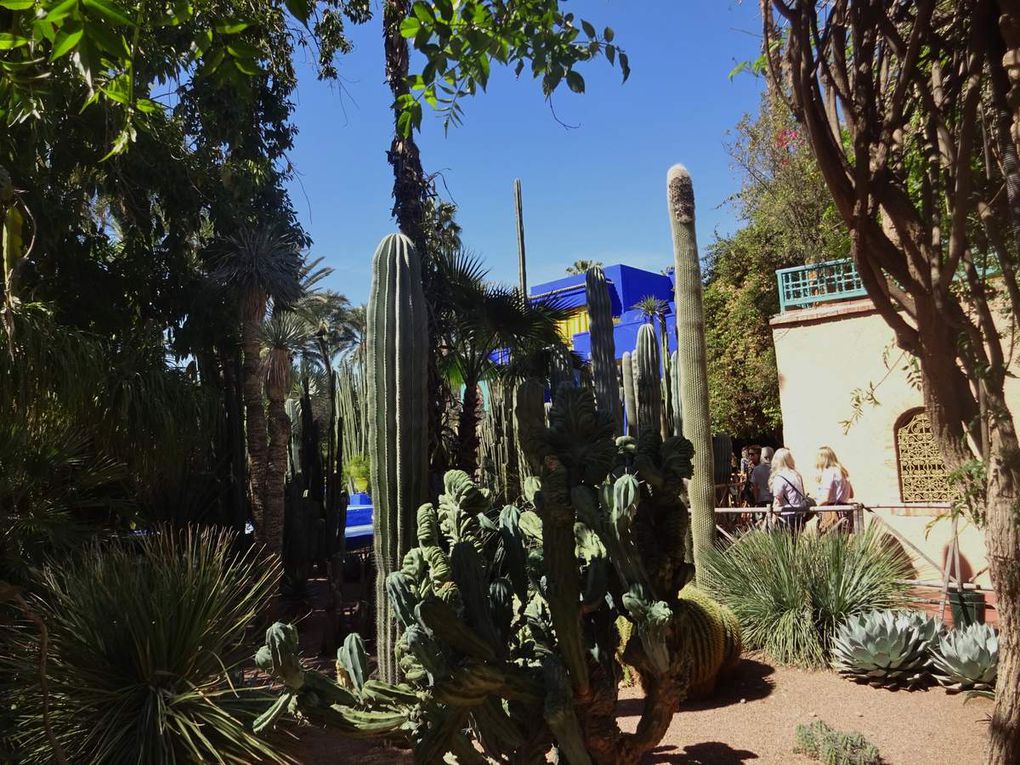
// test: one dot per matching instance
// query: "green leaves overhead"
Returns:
(460, 43)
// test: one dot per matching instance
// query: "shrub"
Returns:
(142, 638)
(833, 747)
(790, 593)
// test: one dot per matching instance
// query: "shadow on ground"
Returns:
(707, 753)
(751, 680)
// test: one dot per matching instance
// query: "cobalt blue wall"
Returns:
(627, 285)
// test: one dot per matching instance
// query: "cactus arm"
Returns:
(353, 659)
(691, 357)
(647, 376)
(630, 404)
(603, 347)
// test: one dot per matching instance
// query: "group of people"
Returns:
(771, 479)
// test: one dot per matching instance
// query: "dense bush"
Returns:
(142, 639)
(791, 593)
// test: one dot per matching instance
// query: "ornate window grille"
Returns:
(923, 476)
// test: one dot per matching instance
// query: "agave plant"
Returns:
(884, 649)
(967, 659)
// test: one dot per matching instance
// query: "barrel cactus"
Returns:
(967, 659)
(397, 362)
(691, 359)
(884, 649)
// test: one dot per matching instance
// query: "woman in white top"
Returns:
(833, 482)
(787, 488)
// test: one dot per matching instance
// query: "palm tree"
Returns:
(283, 335)
(486, 319)
(582, 266)
(258, 265)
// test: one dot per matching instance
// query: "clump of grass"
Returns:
(833, 747)
(142, 640)
(791, 593)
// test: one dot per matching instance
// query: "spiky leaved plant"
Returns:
(883, 649)
(691, 358)
(509, 640)
(397, 365)
(603, 346)
(967, 658)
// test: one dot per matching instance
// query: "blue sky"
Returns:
(595, 191)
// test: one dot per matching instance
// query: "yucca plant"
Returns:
(790, 593)
(884, 649)
(142, 640)
(967, 659)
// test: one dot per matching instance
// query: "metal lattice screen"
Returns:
(922, 471)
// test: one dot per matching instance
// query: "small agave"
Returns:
(967, 659)
(884, 648)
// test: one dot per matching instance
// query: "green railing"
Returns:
(815, 283)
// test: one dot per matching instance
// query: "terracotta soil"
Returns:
(752, 720)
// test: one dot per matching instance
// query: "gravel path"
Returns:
(752, 721)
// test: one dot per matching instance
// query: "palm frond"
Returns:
(262, 260)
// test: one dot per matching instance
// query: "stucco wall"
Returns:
(823, 355)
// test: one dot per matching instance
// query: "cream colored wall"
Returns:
(823, 355)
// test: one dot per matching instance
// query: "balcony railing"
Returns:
(815, 283)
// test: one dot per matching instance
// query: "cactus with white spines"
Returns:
(603, 346)
(648, 380)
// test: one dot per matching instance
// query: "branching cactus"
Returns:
(397, 364)
(603, 346)
(648, 380)
(691, 358)
(509, 644)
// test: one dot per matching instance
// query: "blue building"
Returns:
(627, 286)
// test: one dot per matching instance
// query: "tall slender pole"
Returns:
(522, 275)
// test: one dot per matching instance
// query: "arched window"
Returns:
(921, 468)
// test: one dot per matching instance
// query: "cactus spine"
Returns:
(691, 358)
(629, 397)
(603, 347)
(647, 380)
(397, 362)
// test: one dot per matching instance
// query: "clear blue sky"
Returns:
(595, 192)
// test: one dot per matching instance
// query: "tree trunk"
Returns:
(254, 414)
(276, 469)
(409, 182)
(1002, 540)
(239, 510)
(467, 430)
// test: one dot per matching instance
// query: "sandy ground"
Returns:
(752, 720)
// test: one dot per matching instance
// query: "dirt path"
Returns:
(752, 721)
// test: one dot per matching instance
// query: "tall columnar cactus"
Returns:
(648, 380)
(630, 404)
(397, 365)
(603, 346)
(691, 357)
(678, 409)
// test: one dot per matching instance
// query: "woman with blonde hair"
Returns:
(833, 482)
(788, 498)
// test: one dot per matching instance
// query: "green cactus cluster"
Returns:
(509, 615)
(833, 747)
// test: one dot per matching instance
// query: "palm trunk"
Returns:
(467, 429)
(254, 412)
(239, 510)
(276, 468)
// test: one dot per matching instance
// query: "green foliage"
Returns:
(967, 658)
(143, 637)
(832, 747)
(789, 220)
(885, 648)
(791, 593)
(581, 266)
(508, 617)
(357, 471)
(460, 42)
